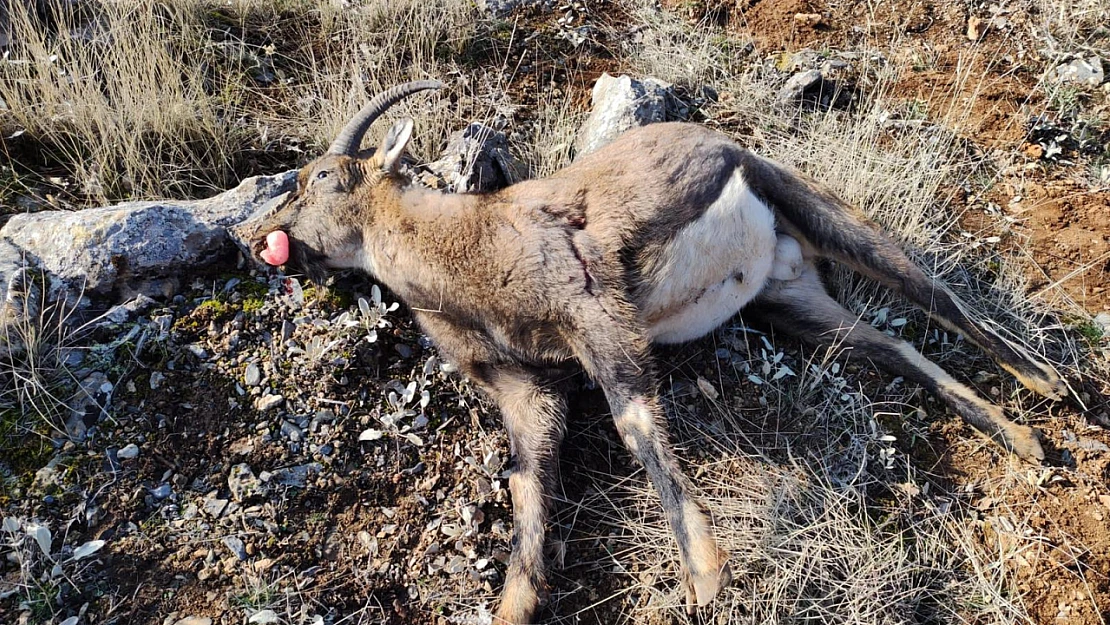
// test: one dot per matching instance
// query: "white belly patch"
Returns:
(712, 268)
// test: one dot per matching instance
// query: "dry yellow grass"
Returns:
(152, 99)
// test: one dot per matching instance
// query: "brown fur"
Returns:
(521, 283)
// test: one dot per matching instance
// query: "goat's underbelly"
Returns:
(711, 268)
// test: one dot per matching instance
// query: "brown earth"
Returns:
(1059, 217)
(1062, 227)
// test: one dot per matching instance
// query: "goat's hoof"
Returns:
(1043, 381)
(1024, 442)
(504, 617)
(702, 588)
(519, 603)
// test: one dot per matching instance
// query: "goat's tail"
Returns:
(837, 230)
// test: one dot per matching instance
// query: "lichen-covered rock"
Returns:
(120, 251)
(1087, 72)
(501, 8)
(619, 104)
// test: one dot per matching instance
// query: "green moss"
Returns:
(25, 447)
(40, 599)
(253, 304)
(213, 308)
(1089, 330)
(329, 298)
(250, 288)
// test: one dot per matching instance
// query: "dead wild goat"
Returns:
(659, 237)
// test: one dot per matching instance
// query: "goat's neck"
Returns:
(404, 240)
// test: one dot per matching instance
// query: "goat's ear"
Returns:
(394, 144)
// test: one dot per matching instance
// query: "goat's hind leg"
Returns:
(876, 255)
(616, 356)
(802, 308)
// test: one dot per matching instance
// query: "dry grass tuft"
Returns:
(35, 381)
(123, 97)
(152, 99)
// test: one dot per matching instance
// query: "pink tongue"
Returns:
(277, 248)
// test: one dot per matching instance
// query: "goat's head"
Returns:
(318, 226)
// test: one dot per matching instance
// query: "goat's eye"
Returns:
(322, 174)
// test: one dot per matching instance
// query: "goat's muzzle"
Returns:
(260, 237)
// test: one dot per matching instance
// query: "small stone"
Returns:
(156, 379)
(252, 376)
(809, 20)
(1090, 444)
(48, 475)
(267, 403)
(190, 512)
(264, 616)
(797, 85)
(242, 482)
(71, 358)
(215, 507)
(291, 432)
(287, 330)
(163, 323)
(128, 452)
(1087, 72)
(162, 491)
(975, 28)
(1103, 321)
(477, 158)
(235, 546)
(619, 104)
(296, 476)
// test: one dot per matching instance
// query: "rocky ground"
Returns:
(257, 449)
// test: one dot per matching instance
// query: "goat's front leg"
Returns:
(533, 409)
(534, 418)
(615, 353)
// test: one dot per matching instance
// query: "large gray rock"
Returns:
(120, 251)
(1087, 72)
(477, 158)
(798, 85)
(501, 8)
(619, 104)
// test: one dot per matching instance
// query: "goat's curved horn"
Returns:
(351, 136)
